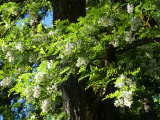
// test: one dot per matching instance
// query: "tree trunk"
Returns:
(6, 102)
(81, 104)
(68, 9)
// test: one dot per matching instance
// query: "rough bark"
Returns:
(81, 104)
(68, 9)
(5, 101)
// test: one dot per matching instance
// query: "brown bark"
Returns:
(81, 104)
(68, 9)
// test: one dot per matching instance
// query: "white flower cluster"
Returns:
(33, 117)
(10, 57)
(68, 49)
(106, 21)
(40, 77)
(122, 81)
(4, 48)
(50, 33)
(135, 23)
(39, 38)
(29, 94)
(130, 8)
(126, 96)
(7, 25)
(6, 82)
(128, 36)
(124, 100)
(49, 64)
(37, 91)
(82, 61)
(49, 76)
(115, 43)
(19, 46)
(52, 89)
(47, 105)
(94, 40)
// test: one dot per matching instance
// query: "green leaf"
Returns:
(65, 70)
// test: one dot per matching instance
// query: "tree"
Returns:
(103, 65)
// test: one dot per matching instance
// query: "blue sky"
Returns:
(48, 20)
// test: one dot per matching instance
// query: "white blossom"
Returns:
(68, 49)
(14, 12)
(7, 81)
(47, 105)
(128, 81)
(62, 56)
(19, 46)
(50, 76)
(119, 102)
(81, 61)
(127, 95)
(115, 43)
(4, 48)
(23, 23)
(128, 36)
(33, 117)
(40, 77)
(7, 25)
(52, 89)
(106, 21)
(135, 23)
(120, 84)
(124, 100)
(94, 40)
(51, 33)
(49, 64)
(37, 91)
(130, 8)
(128, 102)
(39, 38)
(10, 57)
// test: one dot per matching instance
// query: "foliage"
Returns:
(80, 49)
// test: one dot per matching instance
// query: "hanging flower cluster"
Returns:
(37, 91)
(105, 21)
(124, 100)
(130, 8)
(68, 49)
(126, 96)
(19, 46)
(82, 61)
(135, 23)
(47, 105)
(49, 64)
(128, 36)
(6, 82)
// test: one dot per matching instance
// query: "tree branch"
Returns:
(136, 43)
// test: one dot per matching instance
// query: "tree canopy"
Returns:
(112, 52)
